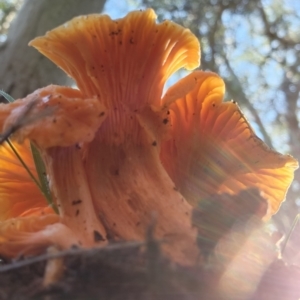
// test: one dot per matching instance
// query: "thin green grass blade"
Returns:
(7, 97)
(41, 171)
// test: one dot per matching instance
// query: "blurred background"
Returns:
(253, 44)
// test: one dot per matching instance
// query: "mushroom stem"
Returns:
(70, 188)
(128, 185)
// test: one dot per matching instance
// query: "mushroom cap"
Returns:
(213, 148)
(60, 116)
(125, 61)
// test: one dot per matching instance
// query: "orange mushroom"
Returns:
(213, 148)
(116, 152)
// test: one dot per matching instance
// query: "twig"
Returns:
(296, 220)
(69, 252)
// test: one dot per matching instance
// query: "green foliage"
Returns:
(8, 9)
(41, 171)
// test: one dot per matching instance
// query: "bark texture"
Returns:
(23, 69)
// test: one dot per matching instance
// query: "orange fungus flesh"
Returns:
(19, 195)
(117, 153)
(213, 149)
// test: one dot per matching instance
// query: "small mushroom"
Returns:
(33, 234)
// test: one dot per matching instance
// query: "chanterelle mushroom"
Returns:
(116, 152)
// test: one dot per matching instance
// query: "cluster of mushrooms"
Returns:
(119, 152)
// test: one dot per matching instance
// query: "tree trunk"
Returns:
(23, 69)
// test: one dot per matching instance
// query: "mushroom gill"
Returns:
(214, 150)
